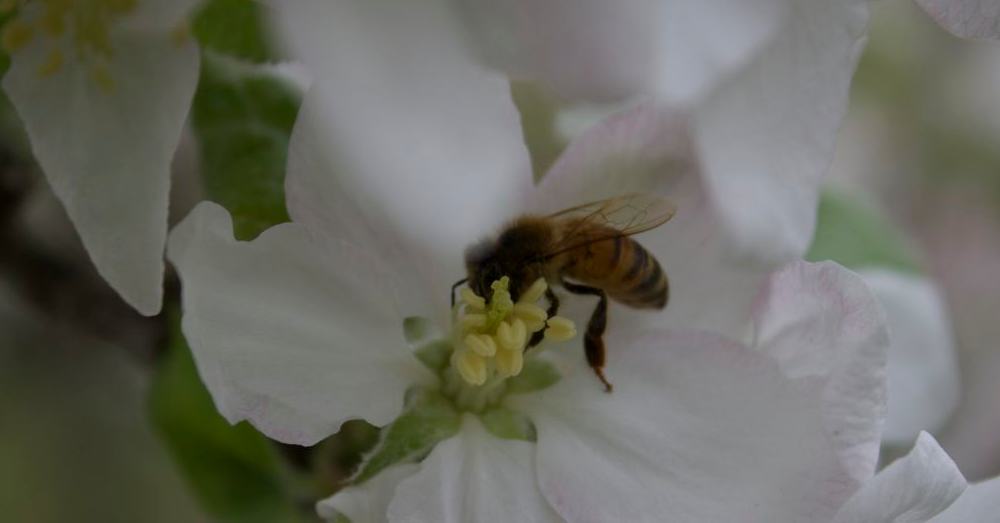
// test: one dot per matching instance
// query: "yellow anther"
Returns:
(535, 292)
(560, 329)
(532, 315)
(481, 344)
(472, 300)
(16, 34)
(509, 363)
(512, 336)
(471, 321)
(52, 64)
(102, 77)
(53, 22)
(471, 366)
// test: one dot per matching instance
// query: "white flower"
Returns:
(103, 88)
(977, 19)
(764, 84)
(393, 170)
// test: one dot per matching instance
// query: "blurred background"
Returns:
(85, 436)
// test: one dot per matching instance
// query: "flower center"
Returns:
(82, 25)
(489, 338)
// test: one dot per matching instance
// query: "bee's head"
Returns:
(483, 266)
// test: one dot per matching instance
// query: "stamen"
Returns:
(490, 337)
(532, 315)
(481, 344)
(560, 329)
(509, 362)
(471, 366)
(535, 292)
(472, 300)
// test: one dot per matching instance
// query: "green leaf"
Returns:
(428, 419)
(243, 117)
(508, 424)
(537, 374)
(234, 470)
(233, 27)
(856, 236)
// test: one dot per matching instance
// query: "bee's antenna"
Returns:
(455, 286)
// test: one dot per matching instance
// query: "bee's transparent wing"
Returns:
(622, 215)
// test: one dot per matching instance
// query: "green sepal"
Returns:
(536, 375)
(234, 471)
(857, 236)
(505, 423)
(243, 117)
(428, 419)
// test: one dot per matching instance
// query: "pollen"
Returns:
(492, 335)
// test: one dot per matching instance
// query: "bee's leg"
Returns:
(537, 337)
(455, 286)
(593, 341)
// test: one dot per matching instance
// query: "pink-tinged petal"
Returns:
(105, 147)
(913, 488)
(979, 19)
(979, 503)
(404, 136)
(766, 137)
(602, 51)
(647, 149)
(473, 477)
(698, 428)
(923, 371)
(294, 339)
(368, 502)
(821, 321)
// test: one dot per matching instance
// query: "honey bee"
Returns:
(590, 245)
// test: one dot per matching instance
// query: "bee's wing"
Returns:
(624, 215)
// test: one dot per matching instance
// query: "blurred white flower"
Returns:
(924, 382)
(977, 19)
(764, 84)
(103, 88)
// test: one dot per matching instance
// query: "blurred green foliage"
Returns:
(236, 473)
(243, 117)
(235, 28)
(857, 236)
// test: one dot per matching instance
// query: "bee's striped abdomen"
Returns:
(624, 269)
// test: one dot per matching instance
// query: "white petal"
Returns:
(293, 339)
(913, 488)
(107, 153)
(821, 320)
(473, 477)
(368, 502)
(766, 137)
(979, 503)
(966, 18)
(698, 428)
(600, 50)
(647, 149)
(923, 371)
(408, 138)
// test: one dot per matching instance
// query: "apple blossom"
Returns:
(103, 88)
